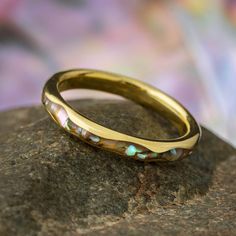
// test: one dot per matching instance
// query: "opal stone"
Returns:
(154, 154)
(94, 138)
(46, 101)
(142, 155)
(138, 150)
(53, 107)
(84, 132)
(62, 117)
(79, 130)
(173, 151)
(131, 150)
(174, 154)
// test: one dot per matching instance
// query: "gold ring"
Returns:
(97, 135)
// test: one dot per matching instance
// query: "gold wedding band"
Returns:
(97, 135)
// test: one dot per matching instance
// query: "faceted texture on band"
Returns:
(128, 149)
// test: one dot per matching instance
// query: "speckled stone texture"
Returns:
(53, 184)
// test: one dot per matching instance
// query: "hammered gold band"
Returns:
(133, 147)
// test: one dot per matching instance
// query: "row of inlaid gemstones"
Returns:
(124, 148)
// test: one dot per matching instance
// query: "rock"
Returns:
(53, 184)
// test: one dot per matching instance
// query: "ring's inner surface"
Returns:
(128, 89)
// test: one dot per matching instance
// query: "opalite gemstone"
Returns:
(138, 150)
(79, 130)
(62, 117)
(84, 132)
(173, 151)
(94, 138)
(142, 155)
(46, 102)
(154, 154)
(131, 150)
(53, 107)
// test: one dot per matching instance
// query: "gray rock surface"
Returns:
(53, 184)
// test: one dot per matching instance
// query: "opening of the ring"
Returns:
(125, 89)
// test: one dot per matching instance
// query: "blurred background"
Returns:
(185, 47)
